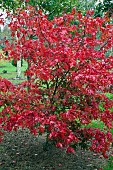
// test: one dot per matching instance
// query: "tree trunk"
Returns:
(18, 68)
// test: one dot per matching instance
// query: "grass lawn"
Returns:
(7, 70)
(109, 165)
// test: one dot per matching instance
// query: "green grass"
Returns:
(109, 165)
(11, 71)
(109, 95)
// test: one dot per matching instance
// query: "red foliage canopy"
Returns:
(68, 76)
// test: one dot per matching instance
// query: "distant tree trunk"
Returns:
(18, 69)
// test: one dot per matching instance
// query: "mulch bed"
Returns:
(23, 151)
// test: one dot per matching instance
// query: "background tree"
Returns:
(51, 7)
(11, 6)
(104, 7)
(5, 34)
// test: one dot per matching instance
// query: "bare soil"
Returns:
(23, 151)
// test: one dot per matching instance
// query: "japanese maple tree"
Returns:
(68, 75)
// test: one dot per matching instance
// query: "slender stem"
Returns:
(28, 77)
